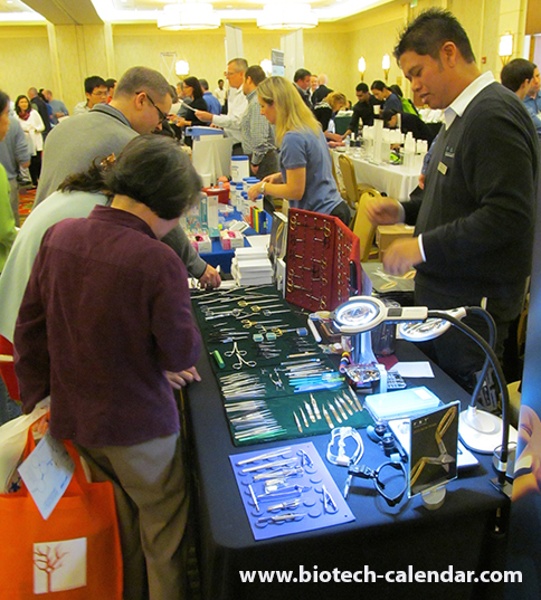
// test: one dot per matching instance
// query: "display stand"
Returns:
(323, 261)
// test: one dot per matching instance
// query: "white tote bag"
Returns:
(13, 436)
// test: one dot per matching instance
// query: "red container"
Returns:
(222, 193)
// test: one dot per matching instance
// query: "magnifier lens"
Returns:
(357, 314)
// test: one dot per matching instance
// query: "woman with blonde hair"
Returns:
(305, 177)
(325, 112)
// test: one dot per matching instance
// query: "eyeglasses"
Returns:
(230, 73)
(99, 93)
(162, 115)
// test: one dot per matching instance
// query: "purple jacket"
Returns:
(106, 311)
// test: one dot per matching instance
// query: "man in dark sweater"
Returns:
(474, 220)
(363, 110)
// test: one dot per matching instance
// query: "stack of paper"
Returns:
(251, 266)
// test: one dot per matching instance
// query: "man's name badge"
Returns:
(442, 168)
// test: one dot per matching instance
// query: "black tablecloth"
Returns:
(466, 533)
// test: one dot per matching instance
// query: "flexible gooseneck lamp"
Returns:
(480, 430)
(361, 314)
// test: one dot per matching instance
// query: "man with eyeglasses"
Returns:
(95, 92)
(236, 104)
(141, 102)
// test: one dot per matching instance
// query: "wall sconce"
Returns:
(361, 65)
(182, 67)
(386, 66)
(505, 49)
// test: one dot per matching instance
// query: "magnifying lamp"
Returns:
(362, 313)
(358, 316)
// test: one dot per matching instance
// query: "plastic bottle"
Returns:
(239, 188)
(240, 167)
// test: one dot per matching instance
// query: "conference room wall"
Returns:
(375, 32)
(60, 57)
(326, 49)
(55, 57)
(30, 58)
(25, 60)
(372, 35)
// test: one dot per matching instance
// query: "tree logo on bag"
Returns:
(59, 565)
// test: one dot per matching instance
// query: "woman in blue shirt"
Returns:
(305, 177)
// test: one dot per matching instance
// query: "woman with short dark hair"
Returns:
(193, 90)
(105, 328)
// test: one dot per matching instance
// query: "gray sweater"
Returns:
(75, 143)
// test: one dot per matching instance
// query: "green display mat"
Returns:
(287, 411)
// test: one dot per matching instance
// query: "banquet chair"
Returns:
(338, 180)
(364, 229)
(353, 189)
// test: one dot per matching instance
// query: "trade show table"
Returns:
(466, 534)
(397, 181)
(219, 257)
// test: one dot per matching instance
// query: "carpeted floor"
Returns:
(26, 200)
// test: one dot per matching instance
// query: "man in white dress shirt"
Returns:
(236, 104)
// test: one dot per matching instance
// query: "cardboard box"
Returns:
(230, 239)
(201, 242)
(387, 234)
(203, 217)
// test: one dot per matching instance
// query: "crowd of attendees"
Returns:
(103, 161)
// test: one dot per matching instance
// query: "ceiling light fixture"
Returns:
(189, 15)
(287, 15)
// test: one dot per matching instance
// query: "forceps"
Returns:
(235, 351)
